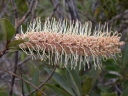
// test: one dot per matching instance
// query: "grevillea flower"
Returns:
(62, 43)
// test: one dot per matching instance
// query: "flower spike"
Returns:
(72, 44)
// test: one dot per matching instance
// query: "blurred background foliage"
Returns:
(111, 80)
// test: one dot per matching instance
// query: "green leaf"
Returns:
(74, 79)
(108, 94)
(94, 73)
(103, 88)
(111, 76)
(110, 64)
(26, 85)
(7, 28)
(93, 93)
(125, 56)
(86, 86)
(35, 79)
(13, 49)
(57, 90)
(16, 42)
(2, 93)
(1, 35)
(112, 68)
(125, 84)
(61, 81)
(125, 92)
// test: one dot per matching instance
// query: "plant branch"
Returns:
(3, 52)
(22, 83)
(21, 62)
(88, 16)
(118, 16)
(27, 14)
(16, 53)
(17, 24)
(54, 10)
(57, 9)
(4, 8)
(22, 79)
(5, 49)
(13, 76)
(34, 9)
(71, 4)
(24, 61)
(15, 13)
(41, 85)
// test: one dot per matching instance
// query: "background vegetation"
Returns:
(111, 80)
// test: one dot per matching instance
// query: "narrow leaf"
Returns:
(125, 92)
(7, 28)
(57, 90)
(35, 79)
(16, 42)
(86, 86)
(61, 81)
(125, 56)
(74, 79)
(26, 85)
(94, 74)
(13, 49)
(108, 94)
(111, 76)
